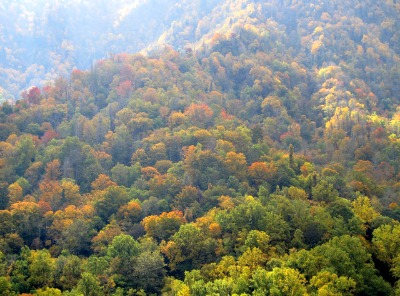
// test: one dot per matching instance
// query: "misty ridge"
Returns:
(42, 40)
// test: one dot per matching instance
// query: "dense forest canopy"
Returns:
(250, 148)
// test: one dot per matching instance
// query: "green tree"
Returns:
(343, 256)
(124, 247)
(20, 272)
(123, 252)
(27, 220)
(386, 242)
(41, 268)
(111, 200)
(68, 270)
(189, 248)
(76, 237)
(5, 286)
(25, 154)
(324, 191)
(89, 285)
(125, 175)
(149, 271)
(97, 265)
(279, 281)
(252, 215)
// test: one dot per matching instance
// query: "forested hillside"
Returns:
(41, 40)
(252, 152)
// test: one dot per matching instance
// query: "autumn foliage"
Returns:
(261, 157)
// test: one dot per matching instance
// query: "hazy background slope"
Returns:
(43, 39)
(40, 40)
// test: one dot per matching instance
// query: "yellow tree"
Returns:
(71, 193)
(236, 164)
(163, 226)
(363, 209)
(15, 193)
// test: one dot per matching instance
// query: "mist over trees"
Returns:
(252, 148)
(41, 40)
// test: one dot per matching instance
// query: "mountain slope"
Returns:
(258, 156)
